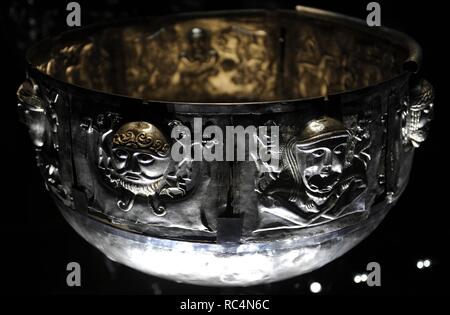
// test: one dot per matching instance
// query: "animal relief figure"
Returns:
(323, 170)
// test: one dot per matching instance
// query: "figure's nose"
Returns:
(327, 161)
(134, 165)
(326, 169)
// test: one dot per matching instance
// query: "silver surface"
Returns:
(223, 265)
(345, 148)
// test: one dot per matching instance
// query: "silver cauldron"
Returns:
(340, 103)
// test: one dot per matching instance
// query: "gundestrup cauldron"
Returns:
(226, 148)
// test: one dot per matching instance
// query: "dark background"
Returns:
(37, 243)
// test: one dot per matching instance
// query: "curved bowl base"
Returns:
(222, 265)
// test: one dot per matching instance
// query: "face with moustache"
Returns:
(140, 157)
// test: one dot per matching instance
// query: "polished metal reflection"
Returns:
(227, 59)
(100, 105)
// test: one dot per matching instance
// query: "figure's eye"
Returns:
(144, 158)
(339, 149)
(121, 154)
(318, 153)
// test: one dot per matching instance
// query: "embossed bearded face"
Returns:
(140, 154)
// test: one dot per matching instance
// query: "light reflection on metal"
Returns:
(101, 133)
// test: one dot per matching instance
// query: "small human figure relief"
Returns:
(322, 172)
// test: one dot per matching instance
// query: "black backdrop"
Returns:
(37, 243)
